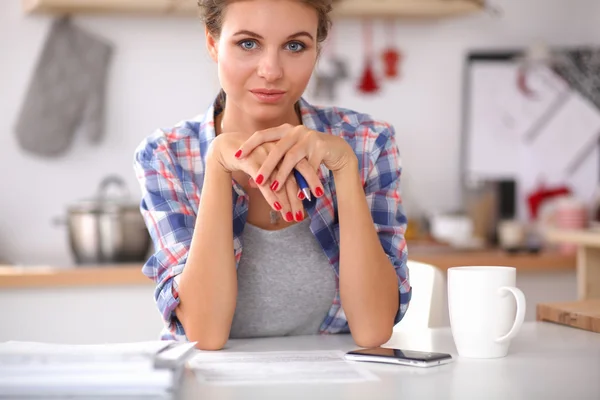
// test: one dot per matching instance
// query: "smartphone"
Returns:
(401, 357)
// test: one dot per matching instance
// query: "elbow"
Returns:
(208, 342)
(206, 339)
(210, 345)
(372, 337)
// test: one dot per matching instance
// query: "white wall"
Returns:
(161, 74)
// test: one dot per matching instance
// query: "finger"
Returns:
(274, 158)
(292, 158)
(283, 200)
(291, 188)
(258, 157)
(310, 176)
(251, 166)
(260, 137)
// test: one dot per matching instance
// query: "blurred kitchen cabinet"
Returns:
(80, 314)
(342, 8)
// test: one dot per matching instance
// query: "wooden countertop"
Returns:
(46, 276)
(131, 274)
(544, 261)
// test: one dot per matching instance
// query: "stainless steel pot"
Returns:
(108, 230)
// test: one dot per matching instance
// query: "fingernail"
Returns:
(274, 186)
(289, 217)
(238, 154)
(277, 206)
(299, 216)
(301, 195)
(259, 179)
(319, 192)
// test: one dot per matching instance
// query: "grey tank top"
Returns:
(286, 285)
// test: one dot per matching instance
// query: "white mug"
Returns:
(483, 318)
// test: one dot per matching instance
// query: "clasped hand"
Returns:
(269, 157)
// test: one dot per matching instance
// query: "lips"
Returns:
(268, 95)
(268, 92)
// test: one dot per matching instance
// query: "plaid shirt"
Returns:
(170, 168)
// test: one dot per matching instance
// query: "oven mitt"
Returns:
(66, 91)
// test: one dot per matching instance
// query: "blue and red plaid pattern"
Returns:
(169, 165)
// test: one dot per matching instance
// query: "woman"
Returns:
(302, 260)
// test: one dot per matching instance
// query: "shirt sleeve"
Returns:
(170, 220)
(382, 189)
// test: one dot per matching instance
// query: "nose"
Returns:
(269, 67)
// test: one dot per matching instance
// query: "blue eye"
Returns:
(295, 47)
(248, 44)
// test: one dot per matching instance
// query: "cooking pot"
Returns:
(108, 229)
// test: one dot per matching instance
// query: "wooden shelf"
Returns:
(141, 7)
(587, 238)
(588, 259)
(407, 8)
(345, 8)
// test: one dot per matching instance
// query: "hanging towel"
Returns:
(66, 91)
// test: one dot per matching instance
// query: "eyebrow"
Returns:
(257, 36)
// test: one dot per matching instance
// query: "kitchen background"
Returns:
(159, 73)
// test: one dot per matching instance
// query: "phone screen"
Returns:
(402, 354)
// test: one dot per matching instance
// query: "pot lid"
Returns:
(104, 202)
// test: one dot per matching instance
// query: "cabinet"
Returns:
(343, 8)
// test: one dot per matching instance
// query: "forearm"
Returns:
(368, 282)
(208, 285)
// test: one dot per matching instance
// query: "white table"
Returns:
(546, 361)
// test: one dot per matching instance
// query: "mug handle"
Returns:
(520, 298)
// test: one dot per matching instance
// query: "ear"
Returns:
(212, 45)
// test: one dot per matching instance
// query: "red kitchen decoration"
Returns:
(391, 59)
(368, 82)
(391, 56)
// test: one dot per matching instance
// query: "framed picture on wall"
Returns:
(534, 123)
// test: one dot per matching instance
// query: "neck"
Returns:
(235, 119)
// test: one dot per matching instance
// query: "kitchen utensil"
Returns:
(511, 234)
(391, 56)
(584, 314)
(66, 92)
(368, 82)
(330, 71)
(108, 229)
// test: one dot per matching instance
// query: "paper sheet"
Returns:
(32, 368)
(277, 367)
(23, 353)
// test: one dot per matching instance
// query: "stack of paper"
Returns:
(141, 369)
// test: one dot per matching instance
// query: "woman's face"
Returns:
(266, 54)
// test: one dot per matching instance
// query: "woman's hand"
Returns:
(300, 148)
(288, 202)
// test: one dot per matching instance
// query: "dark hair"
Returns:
(213, 11)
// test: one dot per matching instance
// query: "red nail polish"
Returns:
(289, 217)
(299, 216)
(301, 195)
(277, 206)
(259, 179)
(319, 192)
(238, 154)
(274, 186)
